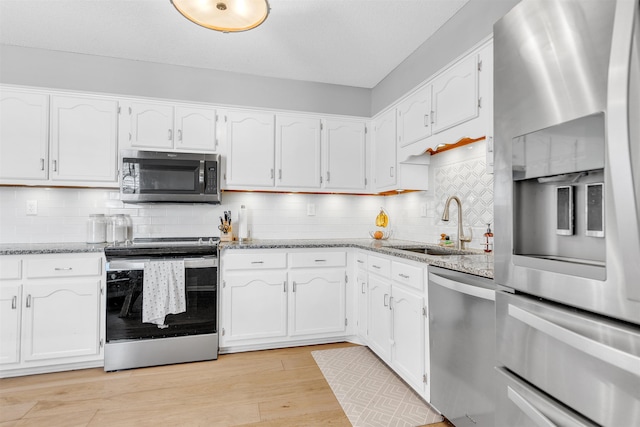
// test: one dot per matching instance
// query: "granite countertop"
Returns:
(49, 248)
(476, 262)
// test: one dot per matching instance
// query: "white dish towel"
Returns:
(163, 291)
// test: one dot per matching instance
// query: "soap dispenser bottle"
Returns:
(488, 239)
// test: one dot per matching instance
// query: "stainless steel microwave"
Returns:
(167, 177)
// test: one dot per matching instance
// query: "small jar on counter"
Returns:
(116, 229)
(96, 228)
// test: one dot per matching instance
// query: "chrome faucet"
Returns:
(445, 217)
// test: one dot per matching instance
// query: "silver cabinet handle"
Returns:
(426, 120)
(391, 171)
(28, 304)
(433, 117)
(41, 164)
(529, 410)
(14, 302)
(320, 260)
(359, 261)
(63, 268)
(610, 355)
(285, 286)
(404, 276)
(363, 290)
(257, 262)
(55, 166)
(294, 286)
(328, 176)
(170, 135)
(390, 303)
(271, 171)
(180, 135)
(376, 266)
(280, 174)
(385, 301)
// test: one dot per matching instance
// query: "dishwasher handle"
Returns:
(476, 291)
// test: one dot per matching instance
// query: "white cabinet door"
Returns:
(150, 125)
(407, 352)
(250, 150)
(317, 301)
(24, 135)
(254, 306)
(83, 139)
(10, 323)
(363, 302)
(384, 150)
(379, 317)
(414, 117)
(345, 155)
(455, 95)
(298, 152)
(195, 129)
(61, 319)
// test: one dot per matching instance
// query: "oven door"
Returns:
(124, 301)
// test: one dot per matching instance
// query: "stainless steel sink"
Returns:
(433, 250)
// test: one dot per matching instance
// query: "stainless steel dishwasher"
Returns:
(462, 346)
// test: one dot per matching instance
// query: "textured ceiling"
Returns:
(345, 42)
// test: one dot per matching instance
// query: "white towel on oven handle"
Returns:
(163, 291)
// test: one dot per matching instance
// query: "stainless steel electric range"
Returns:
(184, 268)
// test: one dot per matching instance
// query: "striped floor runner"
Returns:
(370, 393)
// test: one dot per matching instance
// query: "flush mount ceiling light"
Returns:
(228, 16)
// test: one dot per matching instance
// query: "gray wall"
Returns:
(465, 29)
(71, 71)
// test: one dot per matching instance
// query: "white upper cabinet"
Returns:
(250, 150)
(71, 140)
(158, 126)
(345, 155)
(195, 129)
(384, 151)
(414, 117)
(455, 104)
(24, 135)
(150, 125)
(298, 152)
(83, 139)
(455, 95)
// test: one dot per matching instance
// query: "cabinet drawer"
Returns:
(318, 259)
(379, 265)
(361, 260)
(255, 261)
(10, 268)
(408, 275)
(38, 267)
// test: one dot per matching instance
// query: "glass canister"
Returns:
(96, 228)
(116, 229)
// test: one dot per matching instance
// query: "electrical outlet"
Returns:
(423, 209)
(311, 209)
(32, 207)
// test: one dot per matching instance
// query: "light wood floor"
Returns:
(263, 388)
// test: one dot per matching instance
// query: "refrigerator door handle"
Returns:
(610, 355)
(619, 143)
(528, 409)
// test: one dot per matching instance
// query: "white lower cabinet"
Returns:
(50, 312)
(396, 318)
(272, 298)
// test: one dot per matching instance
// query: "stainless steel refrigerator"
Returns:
(567, 205)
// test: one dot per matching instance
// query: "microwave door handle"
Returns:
(619, 143)
(201, 177)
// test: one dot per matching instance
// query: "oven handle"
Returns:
(138, 263)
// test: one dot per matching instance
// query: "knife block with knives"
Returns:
(226, 230)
